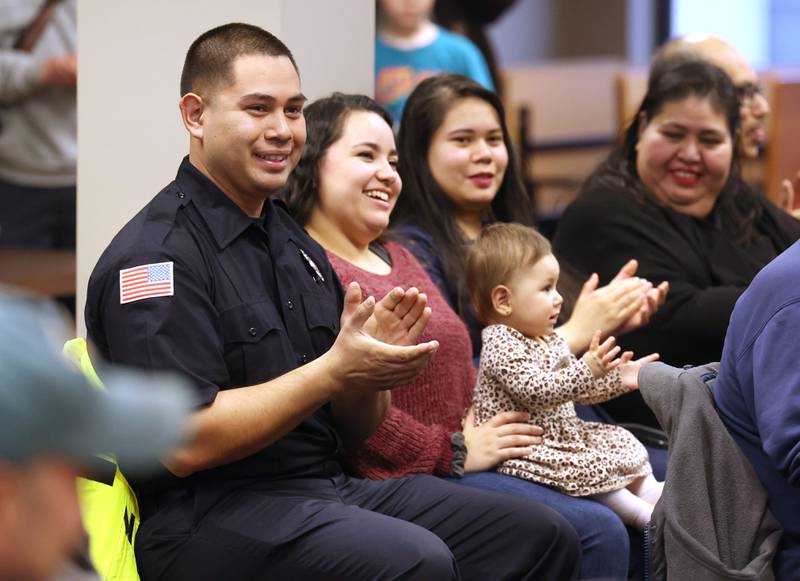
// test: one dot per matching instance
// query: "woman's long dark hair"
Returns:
(675, 79)
(422, 202)
(324, 126)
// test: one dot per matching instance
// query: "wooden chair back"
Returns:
(783, 145)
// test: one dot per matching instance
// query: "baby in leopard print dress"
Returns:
(526, 366)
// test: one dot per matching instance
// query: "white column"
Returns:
(130, 55)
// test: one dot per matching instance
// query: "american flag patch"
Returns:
(146, 282)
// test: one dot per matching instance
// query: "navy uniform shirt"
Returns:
(252, 299)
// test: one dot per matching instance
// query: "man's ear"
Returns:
(501, 300)
(192, 107)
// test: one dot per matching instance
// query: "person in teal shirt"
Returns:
(409, 48)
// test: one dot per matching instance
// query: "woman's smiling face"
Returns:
(358, 180)
(684, 155)
(467, 155)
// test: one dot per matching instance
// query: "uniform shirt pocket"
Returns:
(322, 319)
(256, 346)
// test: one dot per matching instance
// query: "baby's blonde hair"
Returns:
(495, 257)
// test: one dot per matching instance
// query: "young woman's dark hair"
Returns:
(422, 202)
(324, 126)
(674, 79)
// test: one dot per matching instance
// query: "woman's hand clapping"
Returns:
(624, 304)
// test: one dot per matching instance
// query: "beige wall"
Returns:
(536, 31)
(130, 56)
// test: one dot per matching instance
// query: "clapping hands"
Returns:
(603, 357)
(400, 317)
(654, 297)
(624, 304)
(377, 347)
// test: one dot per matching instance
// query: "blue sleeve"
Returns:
(776, 382)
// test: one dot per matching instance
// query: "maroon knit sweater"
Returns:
(414, 438)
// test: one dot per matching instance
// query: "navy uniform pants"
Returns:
(420, 527)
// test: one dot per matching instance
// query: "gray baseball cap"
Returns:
(48, 408)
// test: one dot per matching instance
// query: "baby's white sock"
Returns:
(630, 508)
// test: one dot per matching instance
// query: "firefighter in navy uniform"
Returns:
(213, 279)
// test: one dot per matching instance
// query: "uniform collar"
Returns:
(225, 219)
(278, 224)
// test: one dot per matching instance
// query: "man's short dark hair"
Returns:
(210, 58)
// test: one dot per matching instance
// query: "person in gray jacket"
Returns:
(713, 521)
(38, 129)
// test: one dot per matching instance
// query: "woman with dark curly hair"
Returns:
(343, 191)
(671, 196)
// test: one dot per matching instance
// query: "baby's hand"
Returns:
(629, 370)
(601, 357)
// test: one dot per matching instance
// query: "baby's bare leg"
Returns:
(631, 509)
(647, 488)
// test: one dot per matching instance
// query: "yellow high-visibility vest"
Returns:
(110, 513)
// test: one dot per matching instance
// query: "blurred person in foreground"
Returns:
(38, 123)
(52, 423)
(754, 108)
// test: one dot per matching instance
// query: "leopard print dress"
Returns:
(577, 458)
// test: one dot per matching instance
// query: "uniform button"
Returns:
(290, 304)
(181, 195)
(304, 358)
(252, 331)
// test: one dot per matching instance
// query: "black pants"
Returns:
(37, 217)
(419, 527)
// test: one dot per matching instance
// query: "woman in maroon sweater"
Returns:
(343, 191)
